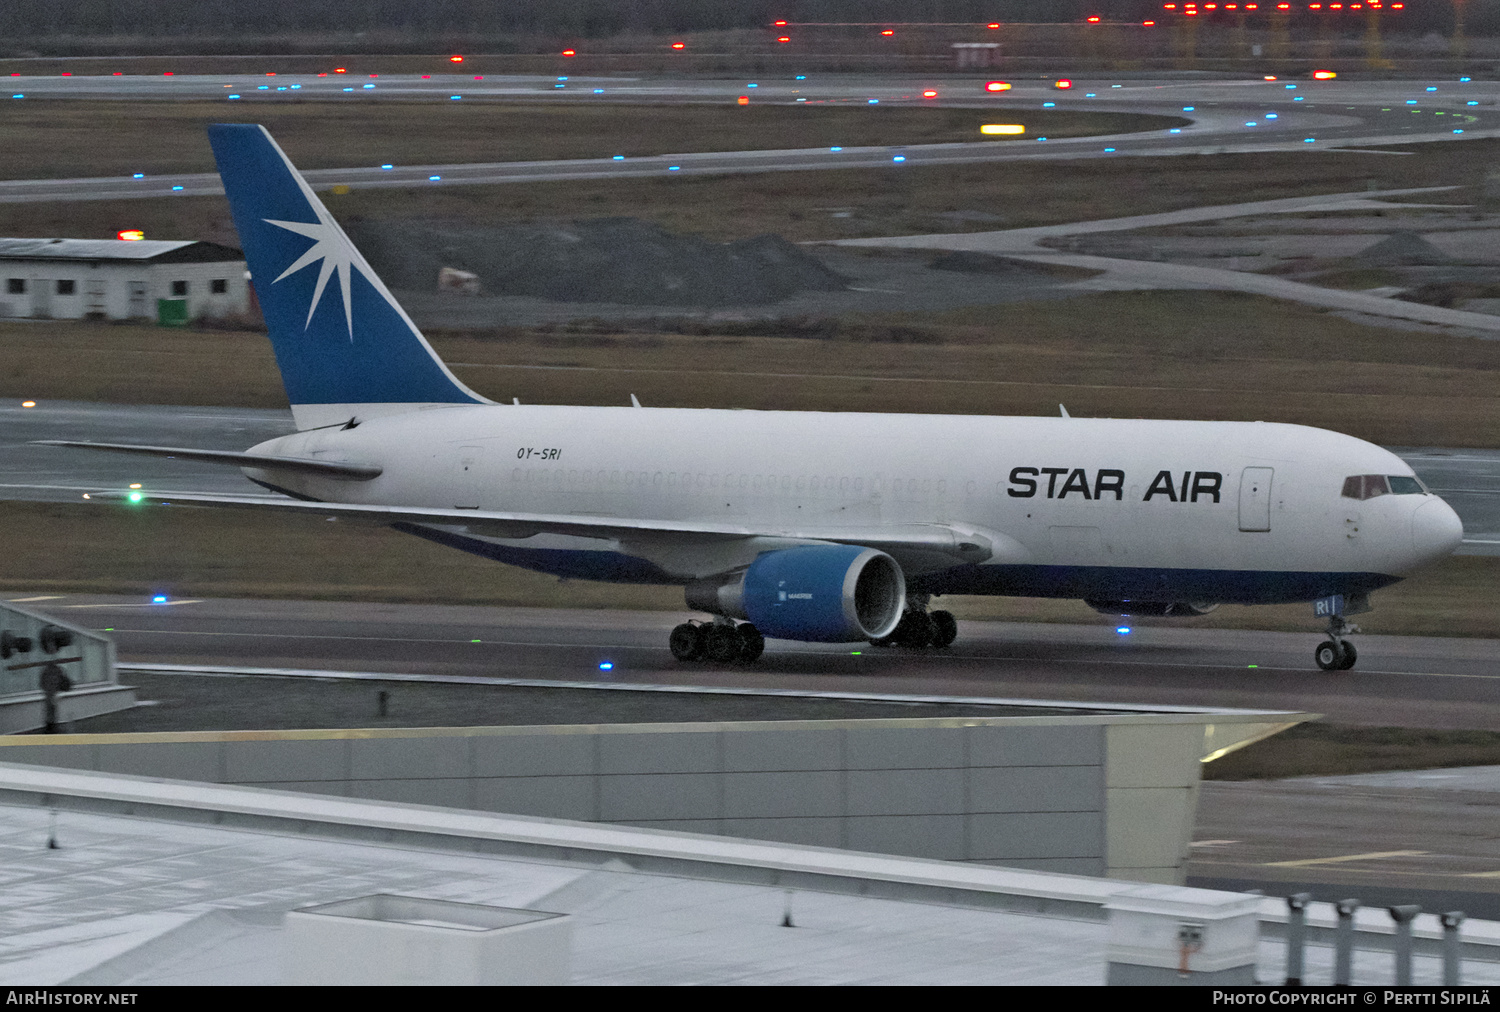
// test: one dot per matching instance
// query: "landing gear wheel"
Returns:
(723, 644)
(752, 643)
(1350, 656)
(946, 628)
(916, 630)
(1329, 655)
(688, 642)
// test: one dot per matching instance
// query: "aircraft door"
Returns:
(466, 487)
(1255, 498)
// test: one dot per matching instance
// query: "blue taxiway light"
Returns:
(1464, 80)
(598, 91)
(159, 599)
(752, 84)
(674, 168)
(619, 158)
(1040, 139)
(1091, 95)
(606, 666)
(1175, 130)
(1458, 131)
(803, 77)
(387, 168)
(1189, 108)
(873, 101)
(562, 78)
(369, 86)
(1308, 140)
(1471, 102)
(18, 96)
(348, 89)
(263, 87)
(899, 158)
(176, 187)
(139, 175)
(1297, 99)
(1108, 150)
(1123, 630)
(1411, 101)
(1291, 87)
(1432, 89)
(1251, 122)
(454, 98)
(234, 96)
(835, 149)
(434, 179)
(1270, 115)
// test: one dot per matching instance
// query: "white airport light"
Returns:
(1002, 129)
(28, 404)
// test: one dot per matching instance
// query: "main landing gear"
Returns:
(720, 641)
(919, 629)
(1337, 654)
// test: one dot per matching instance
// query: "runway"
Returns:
(1408, 681)
(1225, 116)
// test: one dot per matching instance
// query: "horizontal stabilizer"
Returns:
(322, 468)
(956, 544)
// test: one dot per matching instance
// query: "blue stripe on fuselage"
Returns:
(1098, 583)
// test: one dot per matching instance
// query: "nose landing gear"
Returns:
(1337, 653)
(720, 641)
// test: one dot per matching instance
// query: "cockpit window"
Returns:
(1368, 486)
(1365, 486)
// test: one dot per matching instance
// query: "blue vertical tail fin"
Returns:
(345, 347)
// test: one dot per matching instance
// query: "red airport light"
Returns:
(1148, 24)
(785, 38)
(119, 73)
(130, 234)
(1324, 75)
(270, 73)
(779, 24)
(455, 58)
(679, 45)
(1094, 19)
(929, 93)
(743, 100)
(993, 24)
(324, 74)
(67, 73)
(1063, 85)
(997, 86)
(166, 73)
(570, 52)
(887, 32)
(339, 70)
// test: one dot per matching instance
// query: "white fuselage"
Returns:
(1233, 511)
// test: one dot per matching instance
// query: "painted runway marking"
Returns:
(143, 604)
(1342, 858)
(39, 597)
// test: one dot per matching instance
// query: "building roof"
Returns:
(133, 250)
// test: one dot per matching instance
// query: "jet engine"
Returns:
(819, 593)
(1174, 609)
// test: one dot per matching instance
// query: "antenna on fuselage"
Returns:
(634, 401)
(1064, 411)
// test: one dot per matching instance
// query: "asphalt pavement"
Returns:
(1224, 115)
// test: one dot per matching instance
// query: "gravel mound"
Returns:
(1402, 249)
(621, 260)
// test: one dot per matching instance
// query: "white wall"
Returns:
(115, 281)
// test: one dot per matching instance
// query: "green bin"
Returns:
(171, 312)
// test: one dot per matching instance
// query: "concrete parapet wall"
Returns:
(1108, 794)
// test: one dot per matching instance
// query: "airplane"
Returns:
(795, 525)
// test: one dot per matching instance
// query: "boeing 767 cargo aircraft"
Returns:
(800, 525)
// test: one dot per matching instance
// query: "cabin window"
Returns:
(67, 287)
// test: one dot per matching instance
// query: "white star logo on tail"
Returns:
(334, 249)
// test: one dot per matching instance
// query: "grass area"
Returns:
(68, 139)
(1203, 355)
(1319, 749)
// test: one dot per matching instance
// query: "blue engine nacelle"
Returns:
(818, 593)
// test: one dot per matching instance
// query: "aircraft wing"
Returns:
(307, 465)
(954, 544)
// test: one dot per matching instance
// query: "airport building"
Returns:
(171, 281)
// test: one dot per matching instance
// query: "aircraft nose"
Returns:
(1435, 529)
